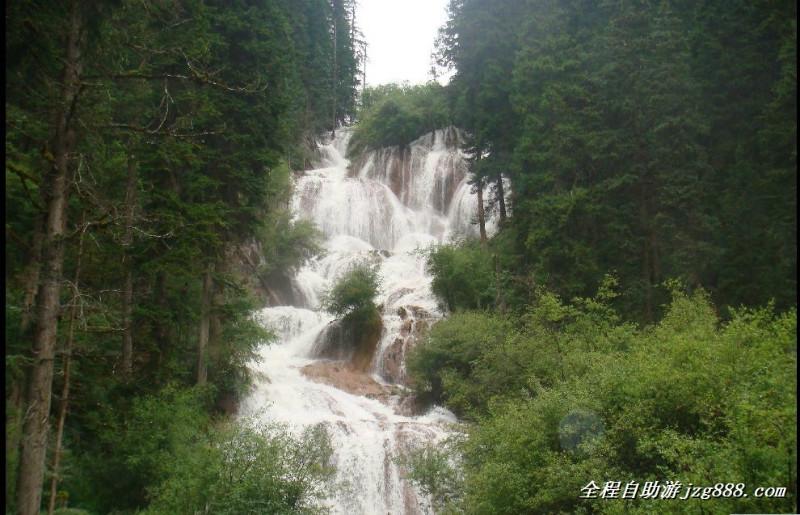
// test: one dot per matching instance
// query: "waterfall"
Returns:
(383, 207)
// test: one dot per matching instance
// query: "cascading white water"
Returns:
(389, 204)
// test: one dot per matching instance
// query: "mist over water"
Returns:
(384, 208)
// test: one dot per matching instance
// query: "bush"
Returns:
(169, 456)
(435, 469)
(248, 468)
(581, 396)
(352, 296)
(444, 367)
(463, 276)
(134, 448)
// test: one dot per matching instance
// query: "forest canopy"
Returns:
(149, 149)
(632, 318)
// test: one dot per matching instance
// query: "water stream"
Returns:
(384, 208)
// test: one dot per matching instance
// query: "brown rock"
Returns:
(349, 341)
(346, 377)
(392, 361)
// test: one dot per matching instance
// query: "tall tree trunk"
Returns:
(501, 198)
(55, 191)
(364, 72)
(31, 277)
(15, 397)
(161, 329)
(62, 411)
(205, 314)
(481, 212)
(500, 299)
(127, 295)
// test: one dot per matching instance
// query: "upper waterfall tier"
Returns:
(393, 198)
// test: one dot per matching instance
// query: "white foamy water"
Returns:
(385, 208)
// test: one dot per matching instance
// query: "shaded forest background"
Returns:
(149, 151)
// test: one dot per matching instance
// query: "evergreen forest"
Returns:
(629, 319)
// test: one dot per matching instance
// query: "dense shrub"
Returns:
(396, 115)
(352, 296)
(134, 447)
(247, 468)
(444, 368)
(463, 276)
(168, 456)
(584, 397)
(435, 469)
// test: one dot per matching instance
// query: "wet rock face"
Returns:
(410, 406)
(414, 324)
(349, 341)
(399, 171)
(392, 361)
(345, 376)
(424, 173)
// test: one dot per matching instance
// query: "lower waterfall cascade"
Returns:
(385, 207)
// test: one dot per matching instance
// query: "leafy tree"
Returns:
(352, 296)
(444, 368)
(463, 276)
(396, 115)
(163, 132)
(630, 135)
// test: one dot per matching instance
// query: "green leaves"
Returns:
(250, 468)
(631, 134)
(396, 115)
(569, 394)
(463, 276)
(202, 107)
(353, 294)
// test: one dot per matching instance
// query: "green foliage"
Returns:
(287, 244)
(168, 456)
(247, 468)
(644, 138)
(241, 336)
(202, 105)
(132, 449)
(434, 469)
(352, 296)
(585, 398)
(446, 367)
(463, 276)
(396, 115)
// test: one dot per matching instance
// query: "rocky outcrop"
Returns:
(345, 376)
(350, 340)
(414, 324)
(247, 262)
